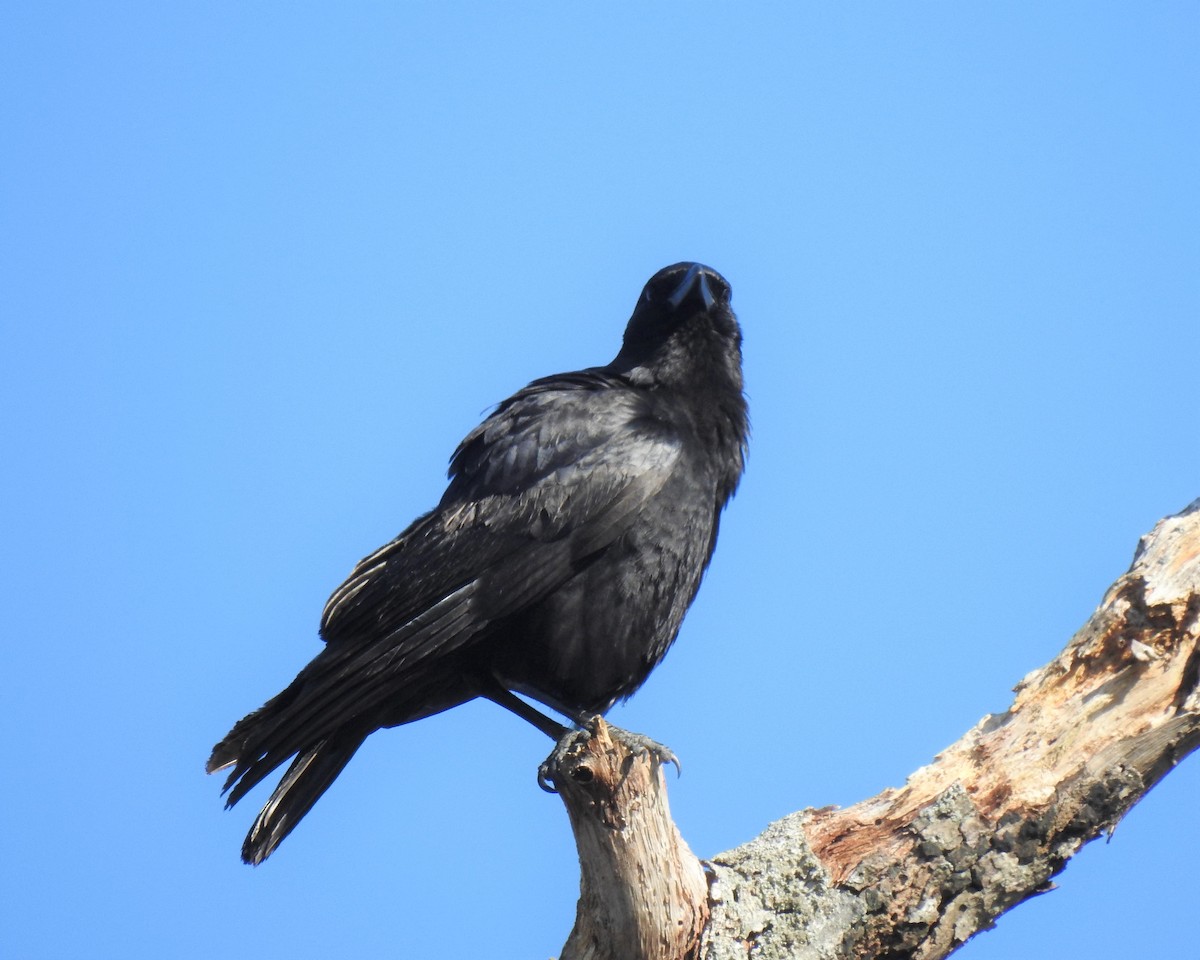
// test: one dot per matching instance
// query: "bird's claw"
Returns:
(545, 776)
(548, 770)
(638, 744)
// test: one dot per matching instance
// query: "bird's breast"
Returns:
(596, 639)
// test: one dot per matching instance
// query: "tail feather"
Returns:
(307, 778)
(334, 703)
(337, 689)
(340, 684)
(243, 748)
(266, 739)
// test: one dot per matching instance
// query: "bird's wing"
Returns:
(537, 492)
(543, 485)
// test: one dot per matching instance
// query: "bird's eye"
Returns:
(661, 287)
(654, 292)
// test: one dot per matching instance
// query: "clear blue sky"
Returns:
(263, 266)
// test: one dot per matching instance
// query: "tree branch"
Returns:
(916, 871)
(643, 893)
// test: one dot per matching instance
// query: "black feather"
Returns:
(572, 537)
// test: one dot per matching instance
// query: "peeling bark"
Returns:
(916, 871)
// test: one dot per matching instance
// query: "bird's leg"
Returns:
(564, 736)
(510, 701)
(638, 744)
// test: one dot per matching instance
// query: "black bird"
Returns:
(572, 538)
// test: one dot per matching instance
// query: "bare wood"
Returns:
(916, 871)
(643, 893)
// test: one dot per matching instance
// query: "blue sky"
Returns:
(265, 264)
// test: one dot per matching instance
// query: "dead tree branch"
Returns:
(915, 871)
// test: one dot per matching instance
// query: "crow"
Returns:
(574, 532)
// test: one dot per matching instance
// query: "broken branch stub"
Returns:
(643, 893)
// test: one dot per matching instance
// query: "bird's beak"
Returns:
(694, 283)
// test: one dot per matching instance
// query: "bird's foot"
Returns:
(567, 744)
(638, 744)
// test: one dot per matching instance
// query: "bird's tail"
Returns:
(307, 778)
(265, 740)
(324, 715)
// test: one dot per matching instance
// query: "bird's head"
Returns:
(683, 329)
